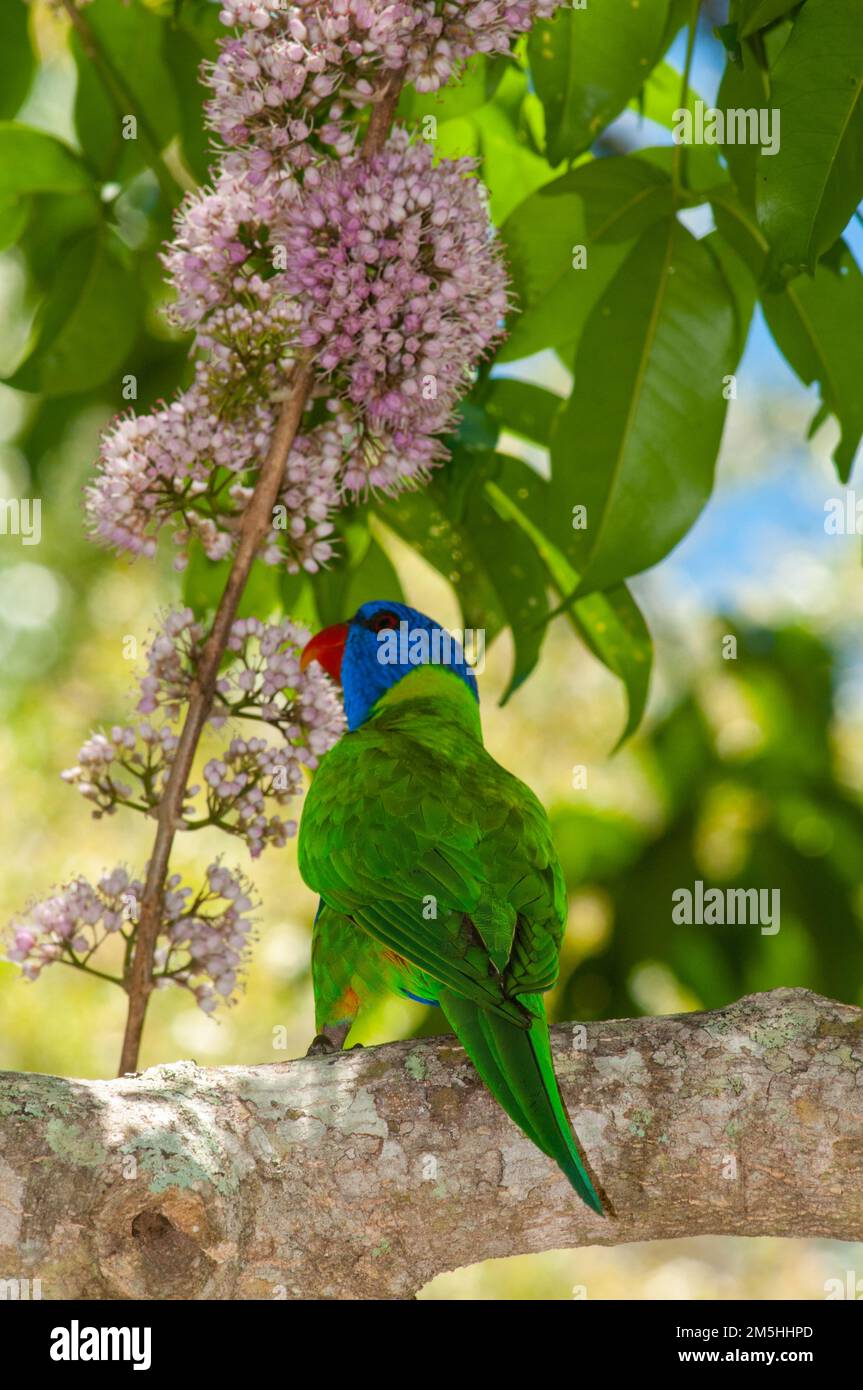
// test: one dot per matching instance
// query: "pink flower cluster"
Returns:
(384, 270)
(308, 56)
(191, 463)
(400, 287)
(202, 946)
(218, 232)
(263, 683)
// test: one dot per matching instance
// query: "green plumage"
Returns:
(438, 876)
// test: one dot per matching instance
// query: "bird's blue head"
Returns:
(381, 644)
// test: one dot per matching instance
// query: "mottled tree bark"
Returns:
(367, 1173)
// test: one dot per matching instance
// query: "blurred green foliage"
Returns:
(745, 772)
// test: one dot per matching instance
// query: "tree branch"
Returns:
(365, 1174)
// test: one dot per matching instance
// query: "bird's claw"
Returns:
(321, 1046)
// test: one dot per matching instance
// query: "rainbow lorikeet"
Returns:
(435, 867)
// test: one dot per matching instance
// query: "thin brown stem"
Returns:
(382, 114)
(256, 519)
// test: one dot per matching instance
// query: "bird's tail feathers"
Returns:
(516, 1065)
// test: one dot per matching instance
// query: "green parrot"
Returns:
(435, 867)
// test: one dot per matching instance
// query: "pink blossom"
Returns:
(202, 945)
(262, 681)
(400, 285)
(303, 60)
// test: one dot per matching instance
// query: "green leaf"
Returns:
(740, 281)
(637, 443)
(421, 519)
(587, 63)
(56, 221)
(474, 428)
(510, 168)
(518, 577)
(204, 581)
(457, 139)
(757, 14)
(86, 326)
(659, 98)
(806, 193)
(200, 20)
(609, 623)
(16, 56)
(33, 162)
(679, 12)
(816, 324)
(130, 54)
(375, 577)
(612, 625)
(183, 58)
(523, 408)
(362, 571)
(14, 213)
(601, 206)
(476, 86)
(743, 88)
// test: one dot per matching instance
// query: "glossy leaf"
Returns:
(518, 577)
(14, 213)
(659, 98)
(816, 324)
(587, 63)
(130, 40)
(602, 207)
(806, 192)
(462, 95)
(743, 88)
(31, 161)
(511, 168)
(637, 444)
(183, 58)
(609, 623)
(740, 282)
(16, 56)
(523, 408)
(420, 519)
(361, 571)
(757, 14)
(204, 581)
(86, 326)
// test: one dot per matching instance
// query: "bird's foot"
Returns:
(330, 1039)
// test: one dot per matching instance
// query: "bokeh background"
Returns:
(747, 772)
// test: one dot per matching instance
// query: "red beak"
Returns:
(327, 648)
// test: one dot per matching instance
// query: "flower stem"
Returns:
(256, 519)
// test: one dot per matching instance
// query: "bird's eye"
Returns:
(380, 621)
